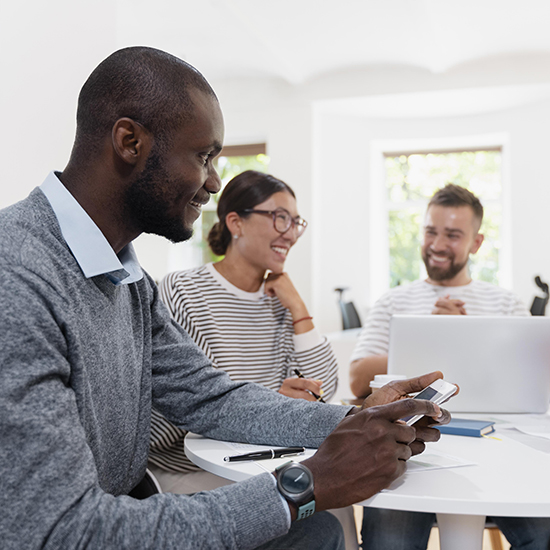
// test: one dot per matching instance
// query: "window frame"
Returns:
(379, 207)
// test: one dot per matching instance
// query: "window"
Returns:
(412, 178)
(232, 160)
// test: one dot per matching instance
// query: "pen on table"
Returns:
(318, 397)
(266, 455)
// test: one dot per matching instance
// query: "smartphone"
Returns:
(437, 392)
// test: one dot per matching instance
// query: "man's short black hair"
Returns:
(454, 195)
(145, 84)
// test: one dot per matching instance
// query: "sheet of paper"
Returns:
(428, 460)
(513, 420)
(434, 460)
(538, 431)
(537, 425)
(245, 447)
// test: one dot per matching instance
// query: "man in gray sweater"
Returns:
(88, 347)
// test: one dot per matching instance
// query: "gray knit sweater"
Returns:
(81, 362)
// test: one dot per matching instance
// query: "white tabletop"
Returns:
(508, 478)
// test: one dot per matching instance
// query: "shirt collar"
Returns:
(89, 246)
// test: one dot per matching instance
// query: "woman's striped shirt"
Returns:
(247, 334)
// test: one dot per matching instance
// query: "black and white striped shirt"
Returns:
(418, 298)
(247, 334)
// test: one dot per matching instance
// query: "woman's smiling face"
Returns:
(259, 242)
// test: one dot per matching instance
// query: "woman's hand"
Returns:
(301, 388)
(280, 285)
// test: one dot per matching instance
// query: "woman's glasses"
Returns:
(282, 220)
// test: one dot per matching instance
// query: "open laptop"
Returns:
(502, 364)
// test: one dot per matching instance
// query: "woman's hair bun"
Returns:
(217, 241)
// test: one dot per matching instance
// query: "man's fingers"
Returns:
(448, 301)
(417, 447)
(407, 407)
(425, 434)
(414, 385)
(404, 434)
(445, 418)
(404, 452)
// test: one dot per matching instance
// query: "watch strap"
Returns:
(306, 510)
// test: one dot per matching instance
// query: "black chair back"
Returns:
(538, 307)
(350, 316)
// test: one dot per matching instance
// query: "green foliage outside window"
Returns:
(411, 181)
(228, 168)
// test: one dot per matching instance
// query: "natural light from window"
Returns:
(412, 178)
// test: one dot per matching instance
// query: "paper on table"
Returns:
(513, 420)
(246, 447)
(429, 460)
(539, 431)
(434, 460)
(530, 424)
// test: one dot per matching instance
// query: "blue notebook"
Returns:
(463, 426)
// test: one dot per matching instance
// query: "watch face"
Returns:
(295, 480)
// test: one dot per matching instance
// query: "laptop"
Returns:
(502, 364)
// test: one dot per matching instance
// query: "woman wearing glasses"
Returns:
(245, 313)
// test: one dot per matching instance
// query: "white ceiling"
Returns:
(297, 40)
(358, 52)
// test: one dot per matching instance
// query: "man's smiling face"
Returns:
(450, 236)
(167, 196)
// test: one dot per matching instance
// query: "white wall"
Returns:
(346, 182)
(323, 156)
(42, 69)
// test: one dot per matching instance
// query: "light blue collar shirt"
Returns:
(89, 246)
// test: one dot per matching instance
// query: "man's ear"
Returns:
(233, 222)
(131, 141)
(478, 239)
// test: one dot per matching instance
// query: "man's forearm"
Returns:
(362, 371)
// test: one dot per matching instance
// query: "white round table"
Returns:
(508, 479)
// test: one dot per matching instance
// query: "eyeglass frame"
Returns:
(298, 221)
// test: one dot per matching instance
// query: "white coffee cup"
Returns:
(382, 379)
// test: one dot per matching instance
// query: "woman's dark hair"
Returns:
(244, 191)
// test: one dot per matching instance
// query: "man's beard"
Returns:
(148, 203)
(436, 273)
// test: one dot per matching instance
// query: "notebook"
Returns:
(502, 364)
(464, 426)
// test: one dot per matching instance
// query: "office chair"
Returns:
(350, 316)
(147, 487)
(539, 304)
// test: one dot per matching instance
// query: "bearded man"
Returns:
(451, 233)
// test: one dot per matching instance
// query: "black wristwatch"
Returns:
(295, 483)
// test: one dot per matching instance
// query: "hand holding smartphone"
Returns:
(438, 392)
